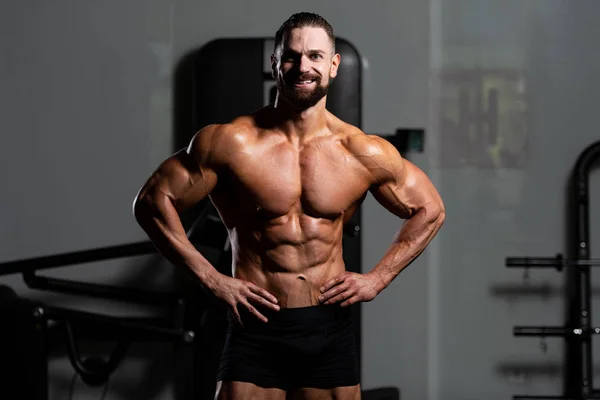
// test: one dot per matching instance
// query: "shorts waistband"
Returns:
(315, 313)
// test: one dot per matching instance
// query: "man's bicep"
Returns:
(185, 181)
(407, 192)
(400, 186)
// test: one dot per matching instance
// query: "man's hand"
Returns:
(349, 288)
(236, 291)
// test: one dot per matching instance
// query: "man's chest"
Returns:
(323, 179)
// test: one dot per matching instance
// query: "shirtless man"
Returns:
(284, 180)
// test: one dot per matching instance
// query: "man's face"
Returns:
(304, 66)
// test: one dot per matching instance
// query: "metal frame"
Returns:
(41, 323)
(578, 330)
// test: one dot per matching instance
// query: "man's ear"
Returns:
(335, 63)
(273, 66)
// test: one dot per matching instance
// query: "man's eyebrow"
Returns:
(312, 51)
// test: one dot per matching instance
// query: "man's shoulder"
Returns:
(361, 144)
(375, 153)
(235, 132)
(216, 143)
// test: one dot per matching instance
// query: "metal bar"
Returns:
(98, 254)
(543, 397)
(37, 339)
(78, 257)
(553, 331)
(584, 323)
(100, 291)
(547, 262)
(124, 325)
(581, 249)
(541, 331)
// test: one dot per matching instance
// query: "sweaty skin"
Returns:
(285, 180)
(283, 201)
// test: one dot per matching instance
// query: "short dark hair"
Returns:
(300, 20)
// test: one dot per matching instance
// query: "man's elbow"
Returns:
(439, 214)
(436, 213)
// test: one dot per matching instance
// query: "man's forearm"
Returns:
(410, 242)
(159, 219)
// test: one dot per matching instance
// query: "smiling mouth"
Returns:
(304, 83)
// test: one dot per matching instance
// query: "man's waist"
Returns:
(293, 288)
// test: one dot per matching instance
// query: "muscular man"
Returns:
(284, 180)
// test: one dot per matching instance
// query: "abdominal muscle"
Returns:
(290, 257)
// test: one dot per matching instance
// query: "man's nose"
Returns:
(304, 64)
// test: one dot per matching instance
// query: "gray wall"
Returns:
(86, 100)
(539, 55)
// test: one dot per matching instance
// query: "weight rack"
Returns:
(578, 329)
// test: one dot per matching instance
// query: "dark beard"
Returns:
(302, 99)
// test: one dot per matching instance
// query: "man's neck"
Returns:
(301, 124)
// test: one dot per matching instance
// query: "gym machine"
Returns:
(578, 329)
(32, 329)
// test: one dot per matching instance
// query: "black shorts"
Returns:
(307, 347)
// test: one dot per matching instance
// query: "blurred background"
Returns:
(506, 91)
